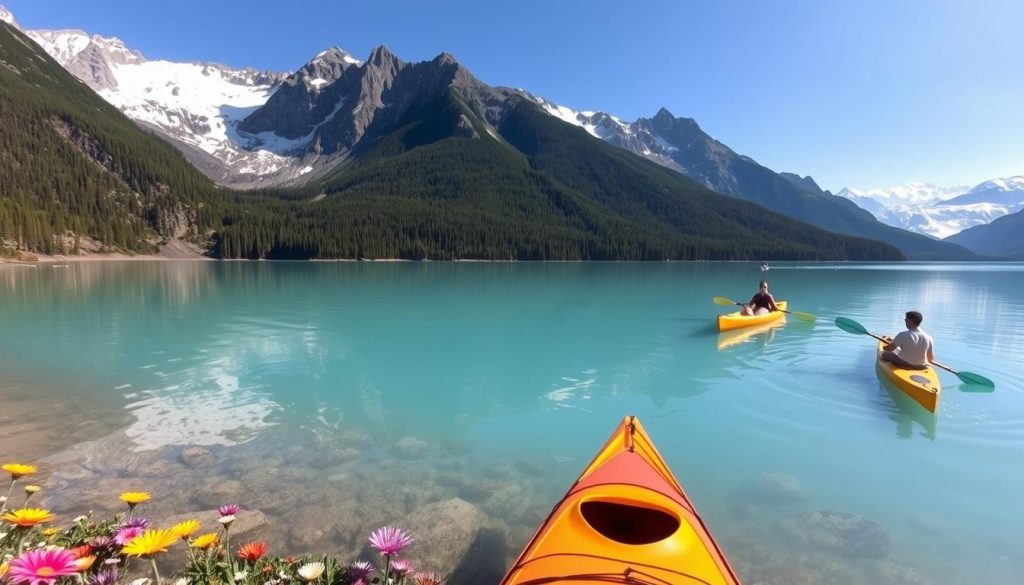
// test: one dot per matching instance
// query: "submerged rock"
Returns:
(196, 456)
(410, 447)
(842, 533)
(451, 537)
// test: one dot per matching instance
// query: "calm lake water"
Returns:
(349, 395)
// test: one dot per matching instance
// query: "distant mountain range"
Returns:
(250, 128)
(431, 164)
(1004, 237)
(941, 212)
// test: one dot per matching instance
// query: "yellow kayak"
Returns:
(735, 320)
(921, 385)
(625, 520)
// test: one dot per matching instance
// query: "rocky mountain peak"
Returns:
(382, 57)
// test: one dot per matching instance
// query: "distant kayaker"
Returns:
(760, 304)
(912, 349)
(764, 267)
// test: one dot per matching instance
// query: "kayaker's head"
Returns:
(913, 319)
(763, 287)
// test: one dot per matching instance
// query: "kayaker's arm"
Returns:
(890, 344)
(771, 301)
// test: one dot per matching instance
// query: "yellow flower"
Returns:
(186, 529)
(85, 563)
(33, 489)
(205, 541)
(48, 532)
(134, 498)
(27, 517)
(3, 568)
(18, 470)
(150, 543)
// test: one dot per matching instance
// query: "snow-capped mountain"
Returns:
(941, 212)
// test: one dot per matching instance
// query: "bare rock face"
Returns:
(452, 539)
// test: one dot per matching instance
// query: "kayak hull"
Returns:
(734, 320)
(922, 386)
(625, 520)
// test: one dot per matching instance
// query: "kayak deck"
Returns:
(735, 320)
(625, 520)
(922, 386)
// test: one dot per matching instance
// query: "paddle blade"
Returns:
(805, 316)
(724, 301)
(850, 326)
(975, 379)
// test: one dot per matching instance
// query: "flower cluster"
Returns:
(108, 552)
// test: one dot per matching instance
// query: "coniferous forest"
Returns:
(73, 167)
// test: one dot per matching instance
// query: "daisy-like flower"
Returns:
(401, 566)
(101, 542)
(150, 543)
(31, 489)
(425, 579)
(48, 532)
(228, 510)
(311, 571)
(181, 581)
(142, 581)
(18, 470)
(134, 498)
(81, 551)
(390, 540)
(42, 567)
(252, 551)
(205, 541)
(85, 563)
(360, 570)
(3, 569)
(126, 535)
(27, 517)
(107, 577)
(185, 530)
(136, 522)
(241, 575)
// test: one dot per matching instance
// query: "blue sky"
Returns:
(866, 93)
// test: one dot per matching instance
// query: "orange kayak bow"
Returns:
(625, 520)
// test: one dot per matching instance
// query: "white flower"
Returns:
(241, 575)
(227, 520)
(181, 581)
(311, 571)
(3, 499)
(78, 519)
(142, 581)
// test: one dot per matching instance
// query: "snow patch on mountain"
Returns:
(941, 212)
(6, 16)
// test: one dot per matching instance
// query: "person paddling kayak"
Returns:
(760, 304)
(912, 349)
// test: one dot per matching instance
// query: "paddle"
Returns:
(850, 326)
(725, 302)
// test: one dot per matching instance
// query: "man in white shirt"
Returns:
(912, 349)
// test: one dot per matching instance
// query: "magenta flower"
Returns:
(228, 510)
(42, 567)
(136, 522)
(389, 540)
(101, 542)
(125, 535)
(360, 570)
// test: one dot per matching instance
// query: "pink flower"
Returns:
(389, 540)
(228, 510)
(360, 570)
(42, 567)
(125, 535)
(401, 566)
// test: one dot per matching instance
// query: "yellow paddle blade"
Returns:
(725, 302)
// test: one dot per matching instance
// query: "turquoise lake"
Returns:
(349, 395)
